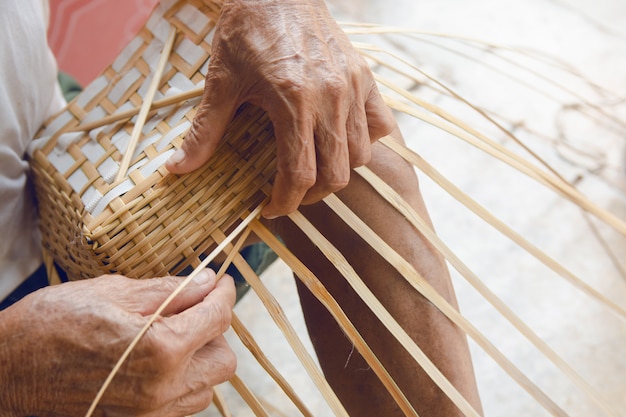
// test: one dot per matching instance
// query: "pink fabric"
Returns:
(86, 35)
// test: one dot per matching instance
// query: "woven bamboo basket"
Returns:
(107, 204)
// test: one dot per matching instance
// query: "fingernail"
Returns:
(269, 216)
(178, 157)
(203, 277)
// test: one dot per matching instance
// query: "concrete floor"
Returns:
(591, 36)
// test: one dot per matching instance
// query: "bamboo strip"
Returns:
(248, 396)
(127, 114)
(248, 341)
(309, 279)
(147, 103)
(560, 185)
(422, 226)
(420, 284)
(535, 55)
(238, 230)
(427, 169)
(498, 151)
(279, 317)
(340, 262)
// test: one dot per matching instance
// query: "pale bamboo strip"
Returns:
(461, 132)
(51, 270)
(460, 124)
(238, 230)
(420, 284)
(427, 169)
(559, 183)
(447, 116)
(343, 266)
(396, 200)
(248, 396)
(463, 100)
(613, 257)
(220, 403)
(272, 409)
(147, 103)
(498, 151)
(535, 55)
(248, 341)
(127, 114)
(319, 291)
(279, 317)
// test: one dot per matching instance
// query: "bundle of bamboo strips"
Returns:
(107, 205)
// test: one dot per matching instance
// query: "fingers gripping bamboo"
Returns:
(277, 314)
(238, 230)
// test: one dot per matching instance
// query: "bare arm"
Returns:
(58, 345)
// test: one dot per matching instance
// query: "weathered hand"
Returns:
(58, 345)
(290, 58)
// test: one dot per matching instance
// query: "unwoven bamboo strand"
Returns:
(127, 114)
(414, 278)
(447, 116)
(458, 124)
(220, 247)
(557, 182)
(396, 200)
(248, 396)
(343, 266)
(507, 231)
(309, 279)
(248, 341)
(279, 317)
(498, 151)
(146, 105)
(482, 45)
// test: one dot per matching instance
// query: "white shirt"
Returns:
(29, 94)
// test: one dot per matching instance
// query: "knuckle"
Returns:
(164, 353)
(230, 364)
(221, 315)
(336, 184)
(193, 138)
(360, 158)
(192, 404)
(295, 88)
(335, 85)
(302, 180)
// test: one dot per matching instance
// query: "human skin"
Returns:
(442, 341)
(291, 59)
(59, 344)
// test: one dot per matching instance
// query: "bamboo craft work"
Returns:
(108, 205)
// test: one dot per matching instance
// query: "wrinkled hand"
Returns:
(59, 344)
(290, 58)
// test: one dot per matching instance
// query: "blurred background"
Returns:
(590, 36)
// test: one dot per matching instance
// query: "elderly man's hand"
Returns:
(59, 344)
(290, 58)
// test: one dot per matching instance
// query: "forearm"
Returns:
(11, 351)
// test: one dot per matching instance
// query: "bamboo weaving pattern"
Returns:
(107, 204)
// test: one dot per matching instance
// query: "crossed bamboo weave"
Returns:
(108, 205)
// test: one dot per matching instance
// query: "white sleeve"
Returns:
(29, 93)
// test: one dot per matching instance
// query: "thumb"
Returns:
(145, 296)
(214, 113)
